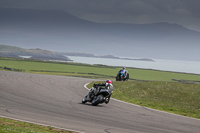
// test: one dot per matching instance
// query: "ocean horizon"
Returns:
(158, 64)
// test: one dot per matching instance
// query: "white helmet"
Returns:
(108, 83)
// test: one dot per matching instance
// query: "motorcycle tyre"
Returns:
(119, 78)
(98, 100)
(84, 100)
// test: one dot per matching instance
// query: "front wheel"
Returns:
(97, 100)
(84, 100)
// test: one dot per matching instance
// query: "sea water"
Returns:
(164, 65)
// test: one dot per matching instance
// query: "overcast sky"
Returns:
(183, 12)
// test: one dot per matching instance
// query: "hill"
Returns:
(12, 51)
(17, 52)
(59, 31)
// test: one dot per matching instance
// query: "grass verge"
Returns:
(11, 126)
(177, 98)
(91, 71)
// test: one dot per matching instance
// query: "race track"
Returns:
(56, 101)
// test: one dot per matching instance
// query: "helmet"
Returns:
(108, 84)
(124, 67)
(108, 81)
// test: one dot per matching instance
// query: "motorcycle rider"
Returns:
(107, 85)
(124, 71)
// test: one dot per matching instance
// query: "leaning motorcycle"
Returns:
(99, 96)
(120, 77)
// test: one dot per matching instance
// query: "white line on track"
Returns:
(85, 86)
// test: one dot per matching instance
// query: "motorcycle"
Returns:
(99, 95)
(120, 76)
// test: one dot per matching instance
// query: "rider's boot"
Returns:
(107, 100)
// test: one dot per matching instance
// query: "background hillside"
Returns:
(17, 52)
(59, 31)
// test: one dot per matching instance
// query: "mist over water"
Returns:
(164, 65)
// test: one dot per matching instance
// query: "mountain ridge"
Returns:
(60, 31)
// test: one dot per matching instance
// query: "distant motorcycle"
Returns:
(121, 77)
(99, 96)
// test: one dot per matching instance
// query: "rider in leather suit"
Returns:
(108, 85)
(124, 71)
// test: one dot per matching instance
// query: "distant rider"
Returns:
(124, 71)
(107, 85)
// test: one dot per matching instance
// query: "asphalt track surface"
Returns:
(56, 101)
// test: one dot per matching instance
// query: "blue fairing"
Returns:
(120, 72)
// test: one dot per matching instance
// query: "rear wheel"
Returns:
(97, 100)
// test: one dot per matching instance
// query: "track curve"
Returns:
(56, 101)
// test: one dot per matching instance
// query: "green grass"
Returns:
(91, 71)
(177, 98)
(11, 126)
